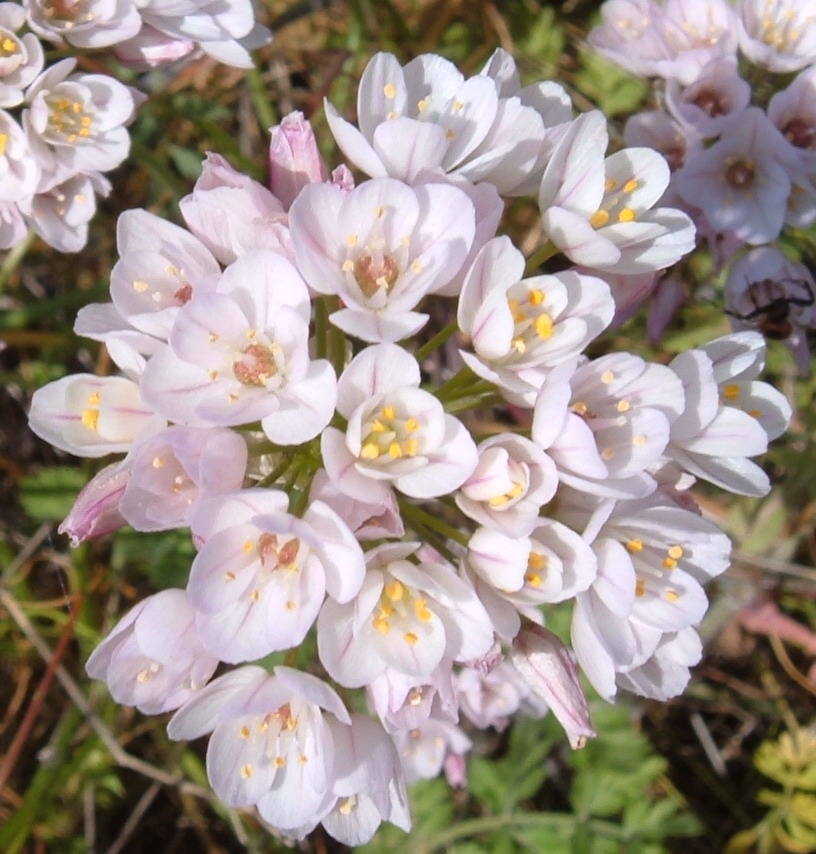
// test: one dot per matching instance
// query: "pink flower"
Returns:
(19, 172)
(381, 247)
(778, 34)
(153, 658)
(548, 668)
(95, 512)
(261, 574)
(598, 211)
(92, 416)
(172, 471)
(22, 59)
(741, 182)
(397, 433)
(407, 617)
(294, 158)
(241, 355)
(90, 24)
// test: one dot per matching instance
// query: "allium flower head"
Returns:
(778, 34)
(21, 57)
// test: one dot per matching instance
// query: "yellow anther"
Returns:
(607, 377)
(415, 696)
(390, 90)
(639, 441)
(348, 806)
(9, 46)
(348, 265)
(422, 105)
(755, 413)
(607, 453)
(381, 625)
(255, 596)
(411, 425)
(244, 732)
(536, 561)
(731, 391)
(626, 215)
(395, 450)
(143, 676)
(544, 326)
(94, 398)
(212, 337)
(631, 185)
(394, 591)
(213, 374)
(623, 406)
(351, 240)
(246, 771)
(579, 408)
(518, 315)
(610, 184)
(536, 297)
(229, 576)
(3, 141)
(377, 426)
(416, 266)
(640, 587)
(410, 638)
(422, 610)
(157, 462)
(450, 133)
(369, 451)
(410, 447)
(675, 552)
(533, 579)
(90, 419)
(669, 563)
(498, 500)
(519, 345)
(280, 762)
(456, 106)
(599, 219)
(379, 212)
(247, 547)
(635, 545)
(671, 595)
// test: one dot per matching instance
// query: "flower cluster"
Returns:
(60, 129)
(741, 143)
(292, 392)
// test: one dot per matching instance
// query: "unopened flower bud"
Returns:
(549, 669)
(96, 509)
(294, 159)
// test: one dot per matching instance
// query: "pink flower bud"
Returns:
(294, 159)
(96, 509)
(548, 668)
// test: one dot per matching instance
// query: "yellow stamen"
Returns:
(731, 391)
(631, 185)
(394, 591)
(599, 219)
(635, 546)
(675, 552)
(626, 215)
(410, 638)
(369, 451)
(544, 326)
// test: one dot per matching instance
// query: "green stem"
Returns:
(338, 350)
(538, 257)
(462, 377)
(260, 100)
(321, 328)
(437, 341)
(14, 257)
(277, 472)
(477, 401)
(417, 516)
(552, 821)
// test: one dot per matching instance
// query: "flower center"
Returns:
(740, 174)
(532, 323)
(255, 365)
(375, 273)
(68, 119)
(400, 605)
(711, 102)
(389, 436)
(9, 46)
(66, 11)
(799, 132)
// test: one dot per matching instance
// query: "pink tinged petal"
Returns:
(670, 604)
(407, 147)
(95, 512)
(666, 673)
(305, 409)
(163, 625)
(732, 432)
(341, 467)
(375, 370)
(468, 117)
(315, 222)
(574, 177)
(312, 690)
(294, 158)
(238, 508)
(378, 327)
(348, 660)
(644, 165)
(340, 553)
(353, 144)
(224, 568)
(702, 399)
(382, 92)
(201, 714)
(238, 769)
(575, 450)
(769, 406)
(616, 580)
(734, 474)
(448, 467)
(592, 655)
(417, 651)
(499, 559)
(549, 670)
(578, 240)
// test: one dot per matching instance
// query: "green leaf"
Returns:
(51, 492)
(613, 90)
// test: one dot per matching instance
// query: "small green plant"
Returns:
(790, 823)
